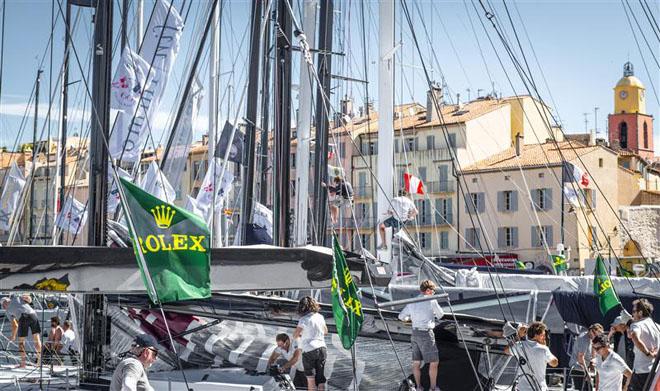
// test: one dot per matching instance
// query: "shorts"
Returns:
(314, 364)
(300, 380)
(341, 201)
(393, 222)
(423, 346)
(28, 321)
(637, 381)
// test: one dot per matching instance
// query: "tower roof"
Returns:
(630, 81)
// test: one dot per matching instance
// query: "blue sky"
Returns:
(580, 46)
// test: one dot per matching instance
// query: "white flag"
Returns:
(263, 217)
(209, 184)
(155, 183)
(113, 193)
(129, 82)
(73, 216)
(159, 49)
(571, 195)
(191, 206)
(11, 194)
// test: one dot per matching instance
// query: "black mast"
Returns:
(322, 124)
(98, 153)
(251, 117)
(65, 108)
(34, 153)
(265, 101)
(281, 193)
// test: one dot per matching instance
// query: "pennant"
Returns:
(263, 217)
(603, 288)
(346, 304)
(113, 193)
(73, 216)
(159, 50)
(413, 184)
(223, 185)
(11, 196)
(236, 151)
(183, 134)
(171, 246)
(155, 183)
(130, 81)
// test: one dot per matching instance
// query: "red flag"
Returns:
(584, 181)
(413, 184)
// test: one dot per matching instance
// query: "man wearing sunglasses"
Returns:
(131, 372)
(610, 367)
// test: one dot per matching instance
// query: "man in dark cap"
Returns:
(131, 373)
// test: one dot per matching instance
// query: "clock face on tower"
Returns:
(623, 94)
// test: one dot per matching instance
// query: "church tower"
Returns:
(630, 128)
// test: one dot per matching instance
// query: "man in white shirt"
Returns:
(533, 355)
(311, 330)
(68, 342)
(403, 209)
(423, 314)
(290, 351)
(645, 334)
(610, 367)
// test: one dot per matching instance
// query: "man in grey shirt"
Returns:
(24, 321)
(131, 373)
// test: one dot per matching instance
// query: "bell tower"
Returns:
(630, 128)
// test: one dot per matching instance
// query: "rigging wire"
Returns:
(524, 77)
(641, 55)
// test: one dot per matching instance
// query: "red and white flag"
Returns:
(413, 184)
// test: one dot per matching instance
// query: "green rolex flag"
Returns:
(603, 289)
(559, 263)
(174, 244)
(346, 305)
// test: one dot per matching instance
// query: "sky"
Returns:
(576, 51)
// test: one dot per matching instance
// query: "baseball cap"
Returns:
(146, 341)
(622, 319)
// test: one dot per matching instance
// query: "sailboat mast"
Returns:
(216, 234)
(34, 154)
(265, 105)
(385, 157)
(63, 123)
(100, 125)
(281, 173)
(251, 118)
(304, 125)
(322, 121)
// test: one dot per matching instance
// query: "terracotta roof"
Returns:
(534, 155)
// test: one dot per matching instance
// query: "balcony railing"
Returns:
(429, 187)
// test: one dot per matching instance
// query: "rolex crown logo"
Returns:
(163, 215)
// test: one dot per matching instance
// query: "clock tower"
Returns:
(630, 128)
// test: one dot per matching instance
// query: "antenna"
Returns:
(586, 122)
(468, 91)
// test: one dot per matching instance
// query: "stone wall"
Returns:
(643, 224)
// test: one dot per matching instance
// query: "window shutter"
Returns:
(514, 201)
(548, 199)
(450, 211)
(501, 237)
(427, 211)
(469, 205)
(500, 201)
(416, 145)
(430, 142)
(514, 236)
(477, 238)
(422, 174)
(548, 236)
(444, 240)
(481, 204)
(396, 145)
(374, 210)
(594, 193)
(438, 211)
(535, 237)
(534, 195)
